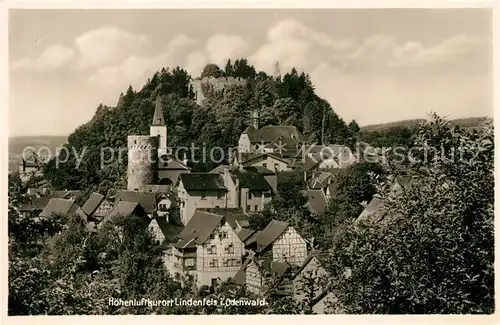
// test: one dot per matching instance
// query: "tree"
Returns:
(442, 219)
(211, 70)
(354, 127)
(229, 70)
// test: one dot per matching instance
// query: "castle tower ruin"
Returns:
(142, 161)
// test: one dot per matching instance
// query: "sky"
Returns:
(372, 65)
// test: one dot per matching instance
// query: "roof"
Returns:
(253, 181)
(220, 169)
(145, 199)
(198, 229)
(250, 130)
(373, 208)
(241, 275)
(233, 216)
(65, 194)
(163, 225)
(269, 133)
(260, 170)
(272, 155)
(125, 209)
(92, 203)
(158, 114)
(316, 201)
(245, 233)
(37, 204)
(170, 163)
(58, 206)
(272, 231)
(202, 181)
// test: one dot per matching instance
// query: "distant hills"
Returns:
(469, 122)
(17, 145)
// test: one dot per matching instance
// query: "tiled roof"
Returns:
(92, 203)
(259, 169)
(372, 210)
(37, 204)
(245, 233)
(316, 201)
(241, 276)
(57, 206)
(265, 154)
(170, 163)
(145, 199)
(202, 181)
(272, 231)
(233, 216)
(66, 194)
(199, 228)
(253, 181)
(269, 133)
(219, 169)
(126, 209)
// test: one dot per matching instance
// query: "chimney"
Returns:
(255, 119)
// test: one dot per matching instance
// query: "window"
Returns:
(203, 195)
(256, 208)
(211, 250)
(219, 194)
(229, 249)
(249, 195)
(223, 235)
(276, 167)
(189, 262)
(264, 165)
(213, 263)
(225, 263)
(248, 208)
(217, 206)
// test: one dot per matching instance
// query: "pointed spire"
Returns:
(158, 116)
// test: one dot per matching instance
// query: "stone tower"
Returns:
(277, 72)
(158, 128)
(142, 161)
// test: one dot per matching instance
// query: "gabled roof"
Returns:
(163, 225)
(57, 206)
(37, 204)
(169, 163)
(372, 210)
(241, 276)
(310, 257)
(233, 216)
(219, 169)
(92, 203)
(316, 201)
(250, 130)
(198, 229)
(145, 199)
(253, 181)
(202, 181)
(269, 133)
(264, 155)
(272, 231)
(126, 209)
(158, 114)
(245, 233)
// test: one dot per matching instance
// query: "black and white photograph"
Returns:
(249, 161)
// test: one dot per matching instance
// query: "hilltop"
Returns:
(468, 122)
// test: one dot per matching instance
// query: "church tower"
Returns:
(158, 128)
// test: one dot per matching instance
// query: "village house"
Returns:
(201, 190)
(125, 209)
(261, 274)
(208, 248)
(282, 241)
(147, 200)
(270, 138)
(62, 207)
(223, 187)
